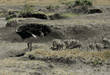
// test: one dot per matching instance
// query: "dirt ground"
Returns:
(14, 55)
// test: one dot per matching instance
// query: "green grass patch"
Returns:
(57, 7)
(96, 62)
(8, 17)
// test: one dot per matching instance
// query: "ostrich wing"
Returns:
(34, 36)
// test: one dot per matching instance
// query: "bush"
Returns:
(49, 6)
(87, 3)
(27, 14)
(57, 7)
(78, 2)
(8, 17)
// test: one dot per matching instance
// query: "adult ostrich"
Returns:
(31, 30)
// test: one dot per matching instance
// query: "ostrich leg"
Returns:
(29, 44)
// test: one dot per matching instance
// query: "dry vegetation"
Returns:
(71, 54)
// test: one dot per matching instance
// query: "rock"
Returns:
(11, 16)
(40, 15)
(12, 12)
(31, 57)
(43, 10)
(55, 16)
(93, 10)
(20, 15)
(26, 14)
(14, 15)
(36, 73)
(12, 23)
(51, 65)
(78, 10)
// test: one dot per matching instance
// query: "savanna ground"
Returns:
(42, 60)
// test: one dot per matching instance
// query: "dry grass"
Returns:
(89, 56)
(56, 53)
(19, 67)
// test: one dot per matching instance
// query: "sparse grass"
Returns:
(21, 12)
(19, 65)
(1, 14)
(40, 12)
(29, 8)
(49, 6)
(70, 15)
(48, 14)
(57, 6)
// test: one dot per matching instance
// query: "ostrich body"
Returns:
(58, 44)
(75, 44)
(91, 46)
(105, 41)
(32, 30)
(67, 44)
(98, 46)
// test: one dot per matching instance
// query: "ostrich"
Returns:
(32, 30)
(76, 43)
(58, 44)
(67, 44)
(91, 46)
(98, 46)
(105, 41)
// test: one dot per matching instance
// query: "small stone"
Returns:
(35, 73)
(51, 65)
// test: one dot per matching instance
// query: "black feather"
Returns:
(26, 31)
